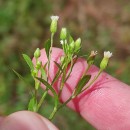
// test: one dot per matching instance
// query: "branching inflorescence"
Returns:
(71, 49)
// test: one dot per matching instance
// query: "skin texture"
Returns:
(25, 120)
(106, 104)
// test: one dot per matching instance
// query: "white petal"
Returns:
(94, 53)
(54, 18)
(107, 54)
(61, 42)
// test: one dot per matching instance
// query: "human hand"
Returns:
(106, 104)
(25, 120)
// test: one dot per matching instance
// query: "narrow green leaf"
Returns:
(58, 74)
(28, 61)
(44, 67)
(50, 88)
(24, 80)
(32, 106)
(43, 74)
(59, 67)
(19, 76)
(83, 81)
(70, 39)
(47, 47)
(73, 61)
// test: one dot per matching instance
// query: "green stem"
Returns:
(95, 78)
(87, 69)
(62, 82)
(42, 99)
(80, 92)
(70, 70)
(56, 77)
(36, 87)
(64, 103)
(50, 51)
(56, 109)
(53, 113)
(71, 67)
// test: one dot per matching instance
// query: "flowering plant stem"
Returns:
(49, 59)
(62, 82)
(50, 51)
(42, 99)
(73, 96)
(55, 110)
(71, 49)
(95, 78)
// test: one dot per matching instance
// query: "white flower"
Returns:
(61, 42)
(53, 27)
(54, 18)
(107, 54)
(93, 53)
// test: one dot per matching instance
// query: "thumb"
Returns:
(25, 120)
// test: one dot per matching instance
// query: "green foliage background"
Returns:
(24, 25)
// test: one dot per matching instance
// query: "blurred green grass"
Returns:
(24, 25)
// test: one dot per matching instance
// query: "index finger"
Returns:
(106, 104)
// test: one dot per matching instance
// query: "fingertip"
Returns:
(26, 120)
(49, 124)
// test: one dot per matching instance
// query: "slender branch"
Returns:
(88, 67)
(53, 113)
(95, 78)
(49, 59)
(71, 67)
(62, 81)
(56, 109)
(65, 103)
(41, 100)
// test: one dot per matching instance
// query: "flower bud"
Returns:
(105, 60)
(72, 46)
(62, 59)
(63, 34)
(38, 65)
(78, 44)
(53, 27)
(37, 53)
(91, 58)
(34, 73)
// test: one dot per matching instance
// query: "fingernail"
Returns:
(49, 124)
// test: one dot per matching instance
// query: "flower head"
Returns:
(107, 54)
(53, 27)
(91, 58)
(63, 42)
(54, 18)
(105, 60)
(93, 53)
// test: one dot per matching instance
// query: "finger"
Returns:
(1, 119)
(106, 104)
(25, 120)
